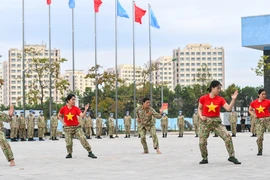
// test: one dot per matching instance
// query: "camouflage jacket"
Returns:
(164, 120)
(81, 121)
(22, 122)
(88, 121)
(14, 122)
(180, 120)
(54, 121)
(146, 115)
(30, 121)
(99, 122)
(4, 118)
(111, 122)
(127, 120)
(195, 118)
(233, 117)
(41, 122)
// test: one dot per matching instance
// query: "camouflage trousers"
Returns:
(196, 128)
(99, 130)
(261, 125)
(22, 132)
(111, 130)
(70, 132)
(214, 124)
(181, 128)
(30, 132)
(53, 132)
(253, 126)
(152, 130)
(6, 147)
(127, 129)
(88, 131)
(13, 132)
(41, 132)
(164, 129)
(233, 128)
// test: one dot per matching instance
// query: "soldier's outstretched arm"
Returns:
(156, 115)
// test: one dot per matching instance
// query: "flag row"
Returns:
(121, 12)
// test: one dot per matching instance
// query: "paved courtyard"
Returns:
(122, 159)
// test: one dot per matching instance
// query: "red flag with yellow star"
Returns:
(139, 13)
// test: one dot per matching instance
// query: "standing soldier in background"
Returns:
(54, 125)
(253, 125)
(41, 126)
(3, 142)
(111, 126)
(14, 126)
(145, 115)
(22, 126)
(82, 123)
(99, 126)
(233, 121)
(30, 125)
(127, 122)
(88, 125)
(181, 124)
(195, 120)
(164, 125)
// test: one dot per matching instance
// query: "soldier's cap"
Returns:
(21, 112)
(195, 109)
(54, 111)
(111, 114)
(40, 112)
(30, 110)
(15, 112)
(33, 112)
(164, 113)
(99, 113)
(87, 113)
(180, 111)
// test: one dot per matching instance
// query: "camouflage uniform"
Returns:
(41, 126)
(181, 125)
(54, 125)
(147, 124)
(88, 126)
(111, 126)
(127, 122)
(253, 125)
(71, 131)
(22, 127)
(261, 125)
(164, 125)
(82, 123)
(214, 124)
(14, 127)
(233, 121)
(195, 120)
(99, 126)
(30, 126)
(3, 142)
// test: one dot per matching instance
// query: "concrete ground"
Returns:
(122, 159)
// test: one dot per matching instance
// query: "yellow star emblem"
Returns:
(69, 117)
(211, 107)
(260, 109)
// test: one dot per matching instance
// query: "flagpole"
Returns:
(73, 65)
(150, 58)
(116, 72)
(50, 60)
(23, 57)
(95, 24)
(134, 73)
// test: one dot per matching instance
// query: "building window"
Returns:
(13, 82)
(209, 59)
(198, 64)
(214, 59)
(182, 53)
(13, 60)
(214, 53)
(182, 75)
(13, 93)
(198, 59)
(193, 70)
(192, 59)
(187, 80)
(187, 53)
(219, 53)
(182, 69)
(214, 69)
(182, 59)
(203, 53)
(13, 87)
(192, 75)
(219, 75)
(214, 64)
(192, 64)
(187, 75)
(13, 98)
(203, 59)
(219, 69)
(187, 64)
(220, 59)
(187, 69)
(208, 53)
(182, 64)
(13, 71)
(219, 64)
(192, 53)
(18, 71)
(18, 60)
(214, 75)
(13, 54)
(208, 64)
(198, 53)
(187, 59)
(182, 80)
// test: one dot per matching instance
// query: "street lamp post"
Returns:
(174, 59)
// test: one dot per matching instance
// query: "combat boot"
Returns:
(99, 137)
(163, 136)
(40, 139)
(196, 135)
(15, 140)
(92, 155)
(69, 156)
(166, 135)
(234, 160)
(129, 136)
(126, 136)
(56, 139)
(204, 161)
(150, 136)
(179, 136)
(259, 152)
(111, 137)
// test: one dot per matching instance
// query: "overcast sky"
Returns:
(217, 22)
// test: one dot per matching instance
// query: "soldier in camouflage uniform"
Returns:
(54, 125)
(99, 126)
(259, 108)
(3, 142)
(31, 125)
(22, 126)
(181, 124)
(233, 121)
(209, 112)
(127, 122)
(68, 115)
(154, 122)
(164, 125)
(41, 126)
(195, 120)
(88, 126)
(253, 125)
(14, 126)
(144, 115)
(111, 126)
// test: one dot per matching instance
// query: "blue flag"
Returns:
(121, 11)
(154, 22)
(71, 4)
